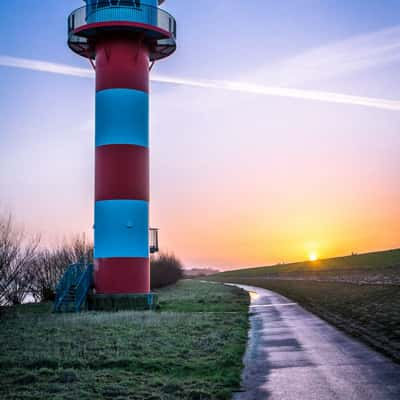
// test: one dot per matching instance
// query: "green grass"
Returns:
(359, 294)
(206, 297)
(192, 349)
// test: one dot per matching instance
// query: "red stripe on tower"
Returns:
(122, 172)
(122, 62)
(122, 275)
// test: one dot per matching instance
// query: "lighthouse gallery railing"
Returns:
(123, 10)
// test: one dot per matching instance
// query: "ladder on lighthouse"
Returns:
(73, 288)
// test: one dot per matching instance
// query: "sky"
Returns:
(274, 129)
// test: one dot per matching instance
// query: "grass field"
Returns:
(359, 294)
(192, 349)
(370, 268)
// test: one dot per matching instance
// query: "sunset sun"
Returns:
(313, 256)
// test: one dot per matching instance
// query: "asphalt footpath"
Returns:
(294, 355)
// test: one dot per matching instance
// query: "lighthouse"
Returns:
(122, 39)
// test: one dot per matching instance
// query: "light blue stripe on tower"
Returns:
(121, 229)
(122, 117)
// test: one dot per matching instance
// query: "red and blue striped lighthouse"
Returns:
(122, 38)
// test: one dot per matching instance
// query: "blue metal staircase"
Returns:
(73, 288)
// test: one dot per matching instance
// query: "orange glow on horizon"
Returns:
(300, 185)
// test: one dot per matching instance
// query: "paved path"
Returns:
(294, 355)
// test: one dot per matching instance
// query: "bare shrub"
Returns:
(17, 254)
(50, 265)
(166, 270)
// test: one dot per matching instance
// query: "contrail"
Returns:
(361, 52)
(331, 97)
(44, 66)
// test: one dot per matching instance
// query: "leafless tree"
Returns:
(50, 265)
(17, 253)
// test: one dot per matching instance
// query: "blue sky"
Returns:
(284, 174)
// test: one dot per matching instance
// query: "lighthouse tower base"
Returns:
(120, 302)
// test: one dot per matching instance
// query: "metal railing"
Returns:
(153, 240)
(84, 284)
(121, 10)
(71, 278)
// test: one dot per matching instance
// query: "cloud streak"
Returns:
(340, 58)
(236, 86)
(250, 88)
(45, 66)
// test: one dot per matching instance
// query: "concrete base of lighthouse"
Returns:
(121, 302)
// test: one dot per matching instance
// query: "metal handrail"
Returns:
(83, 286)
(70, 278)
(153, 239)
(142, 13)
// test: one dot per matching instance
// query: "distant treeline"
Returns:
(29, 271)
